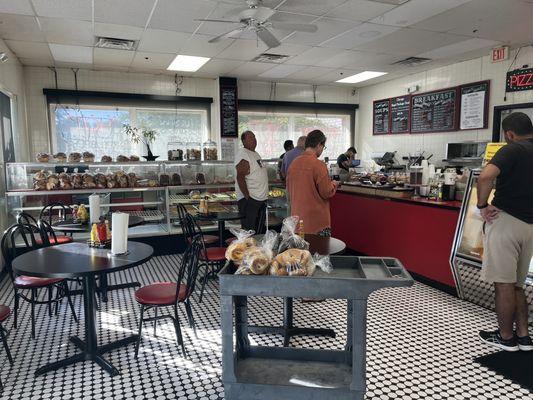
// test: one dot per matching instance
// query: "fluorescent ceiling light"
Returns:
(187, 63)
(363, 76)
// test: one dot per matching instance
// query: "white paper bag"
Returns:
(94, 208)
(119, 233)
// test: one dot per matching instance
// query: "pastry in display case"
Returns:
(175, 151)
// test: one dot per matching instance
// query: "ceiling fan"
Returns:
(256, 18)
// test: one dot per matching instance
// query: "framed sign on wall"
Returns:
(381, 117)
(434, 111)
(474, 105)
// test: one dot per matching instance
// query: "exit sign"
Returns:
(500, 54)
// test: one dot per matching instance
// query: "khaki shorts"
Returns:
(508, 248)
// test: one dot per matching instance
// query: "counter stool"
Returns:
(4, 314)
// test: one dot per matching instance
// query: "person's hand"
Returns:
(489, 213)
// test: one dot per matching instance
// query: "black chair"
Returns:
(4, 313)
(170, 294)
(25, 218)
(25, 234)
(56, 208)
(208, 239)
(211, 258)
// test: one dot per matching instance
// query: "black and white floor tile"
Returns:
(421, 345)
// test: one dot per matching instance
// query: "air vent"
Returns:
(270, 58)
(114, 43)
(412, 61)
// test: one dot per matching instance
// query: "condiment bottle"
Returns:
(301, 231)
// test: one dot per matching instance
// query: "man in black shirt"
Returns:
(508, 228)
(345, 160)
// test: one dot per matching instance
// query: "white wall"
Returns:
(12, 83)
(451, 75)
(37, 78)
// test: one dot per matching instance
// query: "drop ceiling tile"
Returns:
(67, 31)
(244, 50)
(16, 7)
(289, 18)
(415, 11)
(75, 9)
(251, 69)
(459, 48)
(216, 67)
(118, 31)
(310, 73)
(123, 12)
(337, 74)
(198, 45)
(289, 49)
(313, 56)
(30, 50)
(112, 57)
(71, 54)
(35, 62)
(327, 29)
(20, 27)
(361, 34)
(179, 15)
(360, 10)
(146, 61)
(314, 7)
(371, 61)
(409, 42)
(222, 11)
(281, 71)
(158, 41)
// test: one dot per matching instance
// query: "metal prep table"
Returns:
(284, 373)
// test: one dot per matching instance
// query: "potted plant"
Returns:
(146, 136)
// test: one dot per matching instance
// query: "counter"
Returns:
(418, 232)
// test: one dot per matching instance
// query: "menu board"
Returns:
(400, 114)
(474, 105)
(229, 119)
(381, 117)
(434, 111)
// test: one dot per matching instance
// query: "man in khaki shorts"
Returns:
(508, 228)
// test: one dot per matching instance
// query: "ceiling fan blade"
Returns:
(226, 35)
(217, 20)
(268, 38)
(287, 26)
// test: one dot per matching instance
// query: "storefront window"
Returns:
(272, 130)
(100, 129)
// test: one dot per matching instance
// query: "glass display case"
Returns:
(150, 190)
(467, 250)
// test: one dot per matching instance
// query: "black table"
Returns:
(77, 260)
(221, 218)
(317, 244)
(69, 226)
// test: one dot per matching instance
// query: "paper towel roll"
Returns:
(119, 233)
(94, 208)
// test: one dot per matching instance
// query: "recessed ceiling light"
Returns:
(369, 34)
(363, 76)
(187, 63)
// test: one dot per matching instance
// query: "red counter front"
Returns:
(419, 235)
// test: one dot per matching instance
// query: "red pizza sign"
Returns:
(519, 79)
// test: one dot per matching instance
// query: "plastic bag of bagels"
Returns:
(244, 240)
(289, 238)
(256, 260)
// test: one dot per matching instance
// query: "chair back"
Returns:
(48, 235)
(190, 265)
(56, 208)
(25, 218)
(16, 240)
(186, 227)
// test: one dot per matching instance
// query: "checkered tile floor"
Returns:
(421, 343)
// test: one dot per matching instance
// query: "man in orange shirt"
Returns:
(310, 186)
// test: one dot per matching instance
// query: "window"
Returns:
(99, 129)
(273, 128)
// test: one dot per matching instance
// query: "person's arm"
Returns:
(243, 169)
(485, 184)
(326, 187)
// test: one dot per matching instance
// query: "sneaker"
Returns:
(525, 343)
(494, 339)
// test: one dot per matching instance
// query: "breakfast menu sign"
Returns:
(434, 111)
